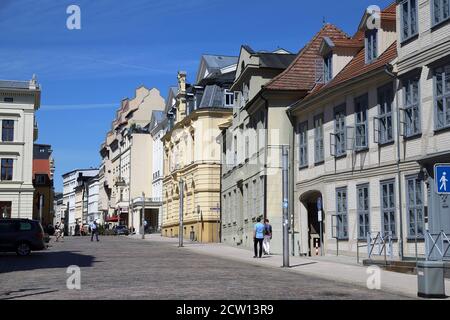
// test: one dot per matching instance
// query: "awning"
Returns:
(112, 219)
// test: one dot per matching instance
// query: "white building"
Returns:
(93, 197)
(18, 102)
(158, 127)
(69, 185)
(58, 208)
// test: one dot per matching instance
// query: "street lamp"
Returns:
(180, 231)
(143, 215)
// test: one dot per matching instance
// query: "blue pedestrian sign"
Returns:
(442, 178)
(319, 203)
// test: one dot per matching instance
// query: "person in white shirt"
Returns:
(94, 230)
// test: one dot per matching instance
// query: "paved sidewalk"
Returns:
(341, 269)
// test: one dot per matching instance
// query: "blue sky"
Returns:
(85, 73)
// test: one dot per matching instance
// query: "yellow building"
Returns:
(192, 153)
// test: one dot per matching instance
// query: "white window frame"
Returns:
(412, 20)
(411, 107)
(303, 144)
(441, 13)
(230, 94)
(363, 209)
(444, 96)
(361, 109)
(371, 45)
(390, 210)
(342, 214)
(415, 207)
(319, 149)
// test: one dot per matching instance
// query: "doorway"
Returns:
(309, 201)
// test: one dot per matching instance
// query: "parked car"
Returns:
(122, 230)
(21, 236)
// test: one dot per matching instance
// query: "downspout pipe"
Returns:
(266, 137)
(388, 69)
(292, 175)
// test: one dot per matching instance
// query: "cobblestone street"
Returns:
(124, 268)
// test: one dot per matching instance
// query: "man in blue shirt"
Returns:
(258, 237)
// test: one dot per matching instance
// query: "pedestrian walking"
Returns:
(258, 237)
(94, 230)
(267, 236)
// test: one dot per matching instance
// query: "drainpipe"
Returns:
(266, 136)
(292, 176)
(388, 70)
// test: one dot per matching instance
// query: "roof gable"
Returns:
(301, 74)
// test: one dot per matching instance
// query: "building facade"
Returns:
(19, 101)
(43, 170)
(71, 201)
(251, 140)
(158, 127)
(373, 120)
(192, 154)
(93, 211)
(126, 170)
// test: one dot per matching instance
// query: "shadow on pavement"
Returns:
(44, 260)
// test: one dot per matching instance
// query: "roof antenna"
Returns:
(324, 21)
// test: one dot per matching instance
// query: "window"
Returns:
(8, 130)
(303, 144)
(441, 11)
(411, 107)
(385, 114)
(442, 97)
(408, 19)
(40, 179)
(318, 139)
(363, 211)
(229, 98)
(388, 207)
(328, 68)
(361, 105)
(415, 207)
(339, 131)
(341, 213)
(371, 45)
(7, 169)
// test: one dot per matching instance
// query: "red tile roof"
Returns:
(357, 67)
(300, 75)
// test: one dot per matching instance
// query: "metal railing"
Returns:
(437, 243)
(378, 243)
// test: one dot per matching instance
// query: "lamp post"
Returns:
(143, 215)
(180, 231)
(285, 193)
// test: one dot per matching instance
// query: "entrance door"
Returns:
(309, 201)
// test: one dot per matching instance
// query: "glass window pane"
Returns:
(413, 17)
(447, 111)
(445, 9)
(440, 113)
(437, 11)
(439, 78)
(405, 19)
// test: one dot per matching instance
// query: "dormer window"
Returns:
(229, 98)
(328, 68)
(371, 45)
